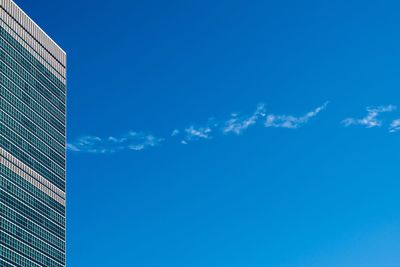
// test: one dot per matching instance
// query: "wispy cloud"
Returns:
(130, 141)
(193, 133)
(394, 126)
(371, 120)
(291, 122)
(175, 132)
(237, 124)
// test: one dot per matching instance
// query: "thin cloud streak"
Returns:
(193, 133)
(175, 132)
(371, 120)
(395, 126)
(291, 122)
(130, 141)
(236, 124)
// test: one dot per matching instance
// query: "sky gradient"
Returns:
(306, 176)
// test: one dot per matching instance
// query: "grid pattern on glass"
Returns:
(32, 143)
(31, 30)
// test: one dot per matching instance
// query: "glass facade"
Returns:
(32, 143)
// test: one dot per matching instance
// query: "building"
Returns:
(32, 143)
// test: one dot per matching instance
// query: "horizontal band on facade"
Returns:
(34, 30)
(21, 169)
(23, 38)
(13, 40)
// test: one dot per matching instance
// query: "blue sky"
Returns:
(307, 175)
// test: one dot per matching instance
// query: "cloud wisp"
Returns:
(371, 120)
(236, 124)
(131, 141)
(395, 126)
(291, 122)
(196, 133)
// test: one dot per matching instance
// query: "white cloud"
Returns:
(291, 122)
(175, 132)
(145, 141)
(237, 124)
(395, 126)
(132, 141)
(116, 140)
(72, 147)
(193, 133)
(371, 120)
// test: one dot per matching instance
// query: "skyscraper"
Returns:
(32, 143)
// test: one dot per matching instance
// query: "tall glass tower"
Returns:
(32, 143)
